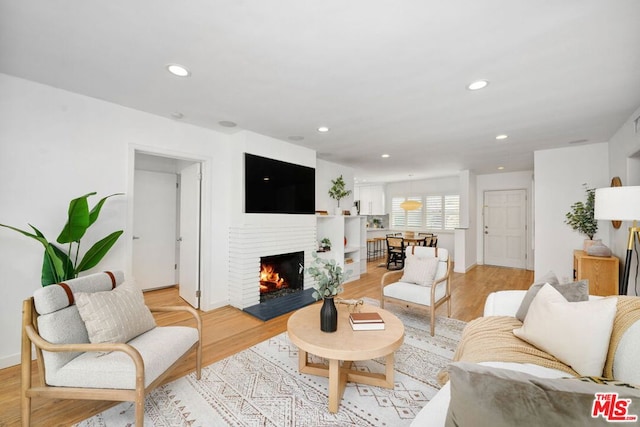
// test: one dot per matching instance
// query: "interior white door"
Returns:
(154, 225)
(189, 269)
(505, 228)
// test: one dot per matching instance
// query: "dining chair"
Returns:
(395, 252)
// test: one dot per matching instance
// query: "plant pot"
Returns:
(338, 211)
(328, 316)
(588, 243)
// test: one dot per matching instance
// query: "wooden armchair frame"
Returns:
(394, 276)
(31, 336)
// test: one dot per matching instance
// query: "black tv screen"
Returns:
(277, 187)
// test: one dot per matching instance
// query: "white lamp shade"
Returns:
(617, 203)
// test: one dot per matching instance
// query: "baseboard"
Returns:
(9, 361)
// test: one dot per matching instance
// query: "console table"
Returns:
(602, 272)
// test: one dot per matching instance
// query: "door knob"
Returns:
(136, 237)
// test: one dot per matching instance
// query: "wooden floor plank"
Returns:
(228, 330)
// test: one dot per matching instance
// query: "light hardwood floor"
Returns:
(228, 330)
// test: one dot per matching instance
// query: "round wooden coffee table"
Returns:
(344, 345)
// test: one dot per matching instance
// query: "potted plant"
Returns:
(329, 278)
(581, 218)
(325, 244)
(338, 191)
(60, 265)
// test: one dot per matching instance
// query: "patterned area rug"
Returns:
(261, 386)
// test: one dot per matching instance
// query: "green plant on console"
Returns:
(59, 265)
(338, 190)
(329, 277)
(581, 218)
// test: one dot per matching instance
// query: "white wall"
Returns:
(56, 145)
(325, 173)
(504, 181)
(559, 178)
(624, 162)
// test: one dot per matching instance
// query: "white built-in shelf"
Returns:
(336, 228)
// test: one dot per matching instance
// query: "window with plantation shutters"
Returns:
(433, 211)
(437, 213)
(414, 217)
(451, 212)
(398, 218)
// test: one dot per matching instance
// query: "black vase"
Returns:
(328, 316)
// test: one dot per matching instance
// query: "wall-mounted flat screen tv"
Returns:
(277, 187)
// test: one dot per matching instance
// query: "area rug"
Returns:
(261, 386)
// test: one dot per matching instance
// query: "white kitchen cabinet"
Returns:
(371, 199)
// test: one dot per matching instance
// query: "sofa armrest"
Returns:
(503, 303)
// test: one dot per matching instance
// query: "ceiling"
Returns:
(387, 77)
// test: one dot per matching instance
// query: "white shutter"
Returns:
(451, 212)
(433, 211)
(398, 219)
(414, 217)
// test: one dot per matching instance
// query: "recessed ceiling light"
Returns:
(227, 124)
(500, 168)
(323, 129)
(478, 84)
(503, 136)
(178, 70)
(385, 156)
(177, 115)
(296, 138)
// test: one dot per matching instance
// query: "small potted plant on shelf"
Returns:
(325, 244)
(581, 217)
(338, 191)
(329, 278)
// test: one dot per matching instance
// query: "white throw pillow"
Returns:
(576, 333)
(114, 316)
(420, 271)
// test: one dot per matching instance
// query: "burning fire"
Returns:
(270, 280)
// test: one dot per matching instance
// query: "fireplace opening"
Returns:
(281, 275)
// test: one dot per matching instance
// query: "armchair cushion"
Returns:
(159, 348)
(114, 316)
(419, 270)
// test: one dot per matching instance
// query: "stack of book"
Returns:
(366, 321)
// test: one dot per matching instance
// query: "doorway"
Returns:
(505, 228)
(167, 224)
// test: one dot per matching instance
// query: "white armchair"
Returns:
(95, 339)
(423, 282)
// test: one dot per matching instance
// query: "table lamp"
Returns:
(620, 204)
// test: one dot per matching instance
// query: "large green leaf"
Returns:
(38, 236)
(97, 252)
(78, 220)
(56, 266)
(93, 215)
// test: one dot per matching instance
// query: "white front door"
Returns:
(505, 228)
(189, 269)
(154, 225)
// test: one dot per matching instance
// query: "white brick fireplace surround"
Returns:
(247, 243)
